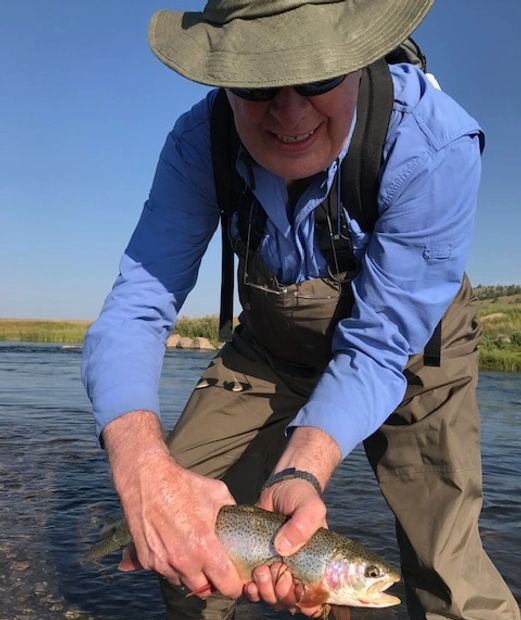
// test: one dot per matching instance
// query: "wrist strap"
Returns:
(290, 474)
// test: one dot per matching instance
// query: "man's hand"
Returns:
(171, 512)
(311, 450)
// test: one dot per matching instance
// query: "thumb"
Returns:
(301, 526)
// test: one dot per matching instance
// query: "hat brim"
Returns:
(309, 43)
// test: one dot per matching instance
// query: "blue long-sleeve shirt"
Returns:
(411, 265)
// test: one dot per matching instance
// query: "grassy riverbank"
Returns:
(499, 314)
(35, 330)
(500, 318)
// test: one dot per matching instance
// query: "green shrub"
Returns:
(495, 359)
(206, 326)
(515, 339)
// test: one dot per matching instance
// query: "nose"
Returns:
(288, 107)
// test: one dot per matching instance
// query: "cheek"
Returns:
(247, 117)
(249, 133)
(342, 575)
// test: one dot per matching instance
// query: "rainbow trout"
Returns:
(333, 570)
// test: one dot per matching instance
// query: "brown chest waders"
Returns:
(426, 456)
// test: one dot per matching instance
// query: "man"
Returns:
(324, 358)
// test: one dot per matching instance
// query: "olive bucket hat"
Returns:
(263, 43)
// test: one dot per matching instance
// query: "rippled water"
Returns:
(55, 492)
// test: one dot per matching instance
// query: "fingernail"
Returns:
(283, 546)
(262, 576)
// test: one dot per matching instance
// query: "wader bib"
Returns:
(233, 428)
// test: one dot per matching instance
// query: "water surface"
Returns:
(55, 492)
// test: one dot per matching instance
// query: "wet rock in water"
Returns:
(175, 341)
(19, 565)
(75, 614)
(202, 343)
(40, 588)
(172, 341)
(184, 343)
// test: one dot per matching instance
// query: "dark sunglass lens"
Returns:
(306, 90)
(319, 88)
(255, 94)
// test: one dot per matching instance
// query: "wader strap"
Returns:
(225, 145)
(358, 176)
(432, 351)
(361, 167)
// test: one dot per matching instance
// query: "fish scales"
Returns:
(247, 539)
(113, 537)
(312, 560)
(332, 569)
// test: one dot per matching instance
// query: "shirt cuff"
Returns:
(325, 417)
(120, 400)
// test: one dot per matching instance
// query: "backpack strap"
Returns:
(408, 51)
(225, 146)
(360, 178)
(432, 351)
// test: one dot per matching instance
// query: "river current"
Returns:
(56, 493)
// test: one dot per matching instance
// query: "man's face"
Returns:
(294, 136)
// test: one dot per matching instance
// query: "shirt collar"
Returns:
(270, 189)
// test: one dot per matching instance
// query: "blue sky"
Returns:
(85, 108)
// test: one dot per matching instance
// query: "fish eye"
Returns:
(372, 571)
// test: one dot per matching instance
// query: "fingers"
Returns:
(178, 541)
(222, 573)
(200, 572)
(197, 585)
(274, 585)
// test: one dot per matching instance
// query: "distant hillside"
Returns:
(499, 291)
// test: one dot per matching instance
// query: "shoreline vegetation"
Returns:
(499, 316)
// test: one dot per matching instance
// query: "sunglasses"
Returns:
(304, 90)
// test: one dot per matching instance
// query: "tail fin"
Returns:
(114, 536)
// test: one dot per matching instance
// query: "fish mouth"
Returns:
(379, 598)
(382, 599)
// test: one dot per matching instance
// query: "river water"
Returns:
(55, 492)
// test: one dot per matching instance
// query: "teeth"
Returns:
(290, 139)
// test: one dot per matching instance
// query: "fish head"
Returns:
(359, 580)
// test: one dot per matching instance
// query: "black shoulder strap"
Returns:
(361, 167)
(358, 177)
(408, 51)
(225, 146)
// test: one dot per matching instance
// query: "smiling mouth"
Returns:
(294, 139)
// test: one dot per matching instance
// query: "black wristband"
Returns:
(290, 474)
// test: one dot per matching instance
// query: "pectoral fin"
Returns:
(129, 561)
(341, 612)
